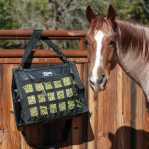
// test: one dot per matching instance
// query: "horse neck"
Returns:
(134, 65)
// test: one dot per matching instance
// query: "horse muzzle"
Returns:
(99, 83)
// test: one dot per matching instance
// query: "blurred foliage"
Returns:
(62, 15)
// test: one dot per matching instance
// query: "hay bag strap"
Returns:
(32, 42)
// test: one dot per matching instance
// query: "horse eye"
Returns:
(86, 42)
(111, 42)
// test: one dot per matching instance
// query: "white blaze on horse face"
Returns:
(98, 37)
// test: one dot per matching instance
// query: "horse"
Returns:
(112, 41)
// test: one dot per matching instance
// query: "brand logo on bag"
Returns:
(47, 73)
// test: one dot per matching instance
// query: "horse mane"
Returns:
(131, 35)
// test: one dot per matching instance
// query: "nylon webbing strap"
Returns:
(63, 139)
(32, 42)
(52, 45)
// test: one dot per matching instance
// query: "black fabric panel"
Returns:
(45, 79)
(24, 104)
(43, 72)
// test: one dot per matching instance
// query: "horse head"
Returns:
(100, 40)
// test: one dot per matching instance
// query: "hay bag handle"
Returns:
(32, 42)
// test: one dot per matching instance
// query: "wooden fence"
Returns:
(117, 117)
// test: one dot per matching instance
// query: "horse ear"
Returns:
(111, 14)
(89, 14)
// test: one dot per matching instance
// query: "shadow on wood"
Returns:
(128, 137)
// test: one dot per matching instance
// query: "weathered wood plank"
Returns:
(140, 134)
(3, 110)
(92, 119)
(110, 112)
(12, 129)
(126, 105)
(101, 135)
(85, 115)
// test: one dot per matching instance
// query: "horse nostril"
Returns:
(103, 79)
(92, 83)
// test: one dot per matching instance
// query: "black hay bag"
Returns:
(47, 94)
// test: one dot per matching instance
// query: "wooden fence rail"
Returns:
(117, 117)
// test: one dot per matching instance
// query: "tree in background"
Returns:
(62, 15)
